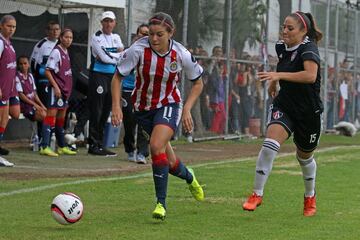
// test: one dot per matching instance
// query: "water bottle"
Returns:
(53, 142)
(35, 143)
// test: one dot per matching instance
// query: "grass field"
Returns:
(120, 206)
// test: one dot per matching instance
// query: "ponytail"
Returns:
(314, 33)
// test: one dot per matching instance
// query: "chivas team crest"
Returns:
(173, 66)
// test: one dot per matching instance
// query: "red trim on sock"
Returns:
(160, 160)
(175, 166)
(2, 130)
(60, 122)
(48, 120)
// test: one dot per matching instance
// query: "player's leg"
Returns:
(160, 136)
(178, 169)
(4, 118)
(47, 125)
(306, 137)
(60, 133)
(279, 129)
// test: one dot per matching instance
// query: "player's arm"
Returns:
(195, 92)
(116, 112)
(100, 53)
(308, 75)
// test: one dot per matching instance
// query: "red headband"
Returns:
(302, 20)
(161, 21)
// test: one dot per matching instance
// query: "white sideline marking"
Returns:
(89, 180)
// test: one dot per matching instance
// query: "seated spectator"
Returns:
(31, 106)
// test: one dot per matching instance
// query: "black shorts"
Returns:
(306, 129)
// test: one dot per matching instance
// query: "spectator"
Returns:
(7, 76)
(58, 72)
(105, 46)
(129, 119)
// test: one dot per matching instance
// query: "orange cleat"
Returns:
(252, 202)
(309, 206)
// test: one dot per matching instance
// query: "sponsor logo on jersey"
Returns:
(293, 56)
(11, 65)
(277, 115)
(173, 66)
(68, 72)
(280, 56)
(100, 90)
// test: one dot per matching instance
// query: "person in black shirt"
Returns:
(296, 108)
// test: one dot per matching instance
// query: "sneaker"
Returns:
(309, 206)
(48, 152)
(252, 202)
(4, 151)
(95, 150)
(66, 151)
(131, 157)
(159, 212)
(140, 159)
(109, 153)
(195, 188)
(5, 163)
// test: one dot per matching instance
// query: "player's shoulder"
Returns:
(41, 42)
(308, 44)
(141, 43)
(280, 46)
(180, 49)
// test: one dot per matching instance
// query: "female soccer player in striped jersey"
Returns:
(157, 101)
(296, 108)
(58, 72)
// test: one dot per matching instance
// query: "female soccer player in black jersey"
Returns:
(296, 108)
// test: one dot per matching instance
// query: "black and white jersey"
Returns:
(40, 56)
(300, 99)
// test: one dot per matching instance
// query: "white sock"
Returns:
(264, 164)
(308, 167)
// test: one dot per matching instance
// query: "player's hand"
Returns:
(187, 121)
(116, 116)
(268, 76)
(272, 89)
(57, 92)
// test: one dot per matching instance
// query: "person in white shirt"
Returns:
(105, 49)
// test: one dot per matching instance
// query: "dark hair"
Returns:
(63, 32)
(141, 26)
(7, 18)
(50, 23)
(308, 23)
(18, 60)
(161, 18)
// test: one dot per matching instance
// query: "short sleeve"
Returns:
(191, 67)
(128, 60)
(1, 47)
(279, 48)
(310, 52)
(54, 60)
(18, 85)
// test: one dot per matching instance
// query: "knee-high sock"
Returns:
(264, 164)
(308, 167)
(160, 167)
(179, 170)
(2, 130)
(59, 132)
(48, 124)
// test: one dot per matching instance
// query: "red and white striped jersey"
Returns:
(157, 75)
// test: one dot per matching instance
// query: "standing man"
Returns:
(104, 46)
(39, 57)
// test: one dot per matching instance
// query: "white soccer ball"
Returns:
(67, 208)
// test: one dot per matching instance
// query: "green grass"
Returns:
(121, 208)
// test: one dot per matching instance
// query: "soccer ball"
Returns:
(67, 208)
